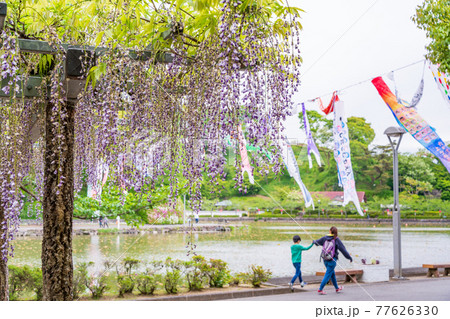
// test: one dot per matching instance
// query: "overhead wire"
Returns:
(336, 41)
(340, 37)
(363, 81)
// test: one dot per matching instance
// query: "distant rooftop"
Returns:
(339, 196)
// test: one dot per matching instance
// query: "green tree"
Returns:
(361, 134)
(322, 132)
(132, 207)
(360, 131)
(442, 177)
(380, 172)
(321, 127)
(433, 16)
(413, 186)
(415, 172)
(445, 195)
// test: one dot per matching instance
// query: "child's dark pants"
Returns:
(298, 272)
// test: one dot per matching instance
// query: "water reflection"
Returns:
(266, 244)
(94, 249)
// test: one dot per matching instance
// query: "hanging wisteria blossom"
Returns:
(174, 119)
(159, 117)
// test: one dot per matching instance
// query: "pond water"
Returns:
(260, 243)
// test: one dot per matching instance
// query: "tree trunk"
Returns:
(57, 265)
(4, 292)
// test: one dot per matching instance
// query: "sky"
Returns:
(384, 39)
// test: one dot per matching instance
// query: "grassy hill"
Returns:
(275, 191)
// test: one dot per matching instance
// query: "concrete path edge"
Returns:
(253, 292)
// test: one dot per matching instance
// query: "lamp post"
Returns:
(392, 134)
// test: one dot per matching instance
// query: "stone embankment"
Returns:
(363, 221)
(90, 229)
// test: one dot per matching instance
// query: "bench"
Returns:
(433, 269)
(351, 275)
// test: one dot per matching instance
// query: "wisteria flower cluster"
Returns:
(15, 144)
(161, 120)
(159, 123)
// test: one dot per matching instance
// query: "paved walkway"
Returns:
(413, 289)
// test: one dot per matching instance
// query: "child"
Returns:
(296, 252)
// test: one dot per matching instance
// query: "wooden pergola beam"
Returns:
(35, 46)
(74, 72)
(3, 11)
(75, 51)
(42, 47)
(26, 90)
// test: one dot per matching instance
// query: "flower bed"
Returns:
(132, 279)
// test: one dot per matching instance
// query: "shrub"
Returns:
(195, 272)
(17, 282)
(257, 275)
(217, 272)
(129, 264)
(249, 189)
(20, 280)
(97, 285)
(173, 275)
(125, 279)
(171, 281)
(108, 264)
(235, 280)
(146, 284)
(80, 278)
(148, 281)
(36, 282)
(24, 279)
(238, 278)
(126, 284)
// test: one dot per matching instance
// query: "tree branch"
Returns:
(190, 44)
(154, 6)
(183, 56)
(187, 13)
(143, 19)
(190, 38)
(30, 193)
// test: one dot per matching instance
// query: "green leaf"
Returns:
(98, 38)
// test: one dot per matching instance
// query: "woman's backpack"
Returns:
(328, 249)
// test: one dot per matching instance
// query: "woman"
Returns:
(332, 240)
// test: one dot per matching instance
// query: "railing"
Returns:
(217, 213)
